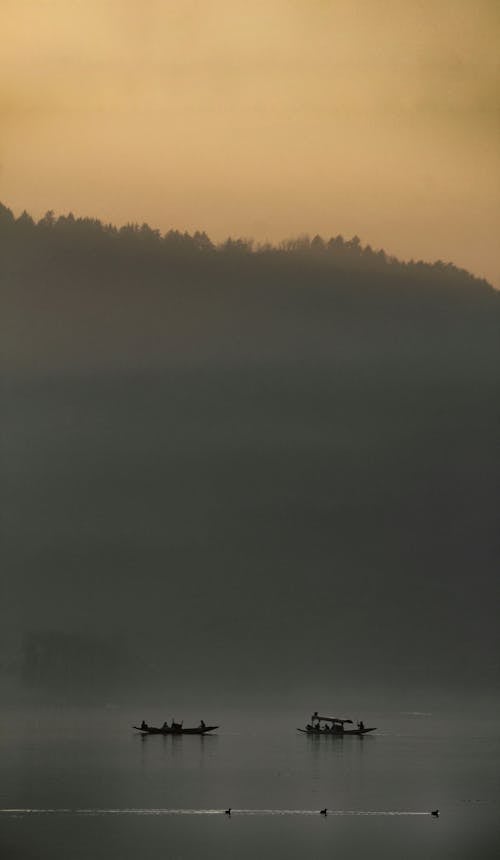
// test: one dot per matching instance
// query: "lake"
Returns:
(80, 783)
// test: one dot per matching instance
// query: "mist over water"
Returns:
(198, 526)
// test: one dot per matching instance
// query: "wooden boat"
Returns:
(336, 734)
(153, 730)
(337, 730)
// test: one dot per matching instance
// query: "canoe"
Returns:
(152, 730)
(337, 734)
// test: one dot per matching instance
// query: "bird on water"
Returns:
(435, 813)
(322, 811)
(228, 811)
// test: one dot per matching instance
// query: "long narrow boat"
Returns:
(152, 730)
(339, 734)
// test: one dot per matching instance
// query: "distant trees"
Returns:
(6, 216)
(25, 221)
(48, 221)
(82, 240)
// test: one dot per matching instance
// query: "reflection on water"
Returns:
(203, 812)
(83, 784)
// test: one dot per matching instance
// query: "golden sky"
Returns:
(267, 119)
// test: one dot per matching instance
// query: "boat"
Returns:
(337, 727)
(336, 734)
(153, 730)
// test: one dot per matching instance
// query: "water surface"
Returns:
(83, 784)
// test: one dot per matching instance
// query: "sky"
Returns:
(267, 119)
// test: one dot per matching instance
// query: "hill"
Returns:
(230, 468)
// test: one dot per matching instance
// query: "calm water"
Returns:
(82, 784)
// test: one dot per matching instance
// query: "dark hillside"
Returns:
(244, 467)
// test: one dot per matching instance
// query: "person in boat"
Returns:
(165, 725)
(361, 725)
(144, 725)
(202, 724)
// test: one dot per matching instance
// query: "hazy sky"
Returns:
(267, 119)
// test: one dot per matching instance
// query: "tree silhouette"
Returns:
(83, 240)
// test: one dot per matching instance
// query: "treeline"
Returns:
(88, 242)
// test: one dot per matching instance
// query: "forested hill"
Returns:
(279, 465)
(77, 292)
(87, 244)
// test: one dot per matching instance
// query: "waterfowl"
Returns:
(435, 813)
(322, 811)
(228, 811)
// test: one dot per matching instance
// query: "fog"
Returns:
(275, 477)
